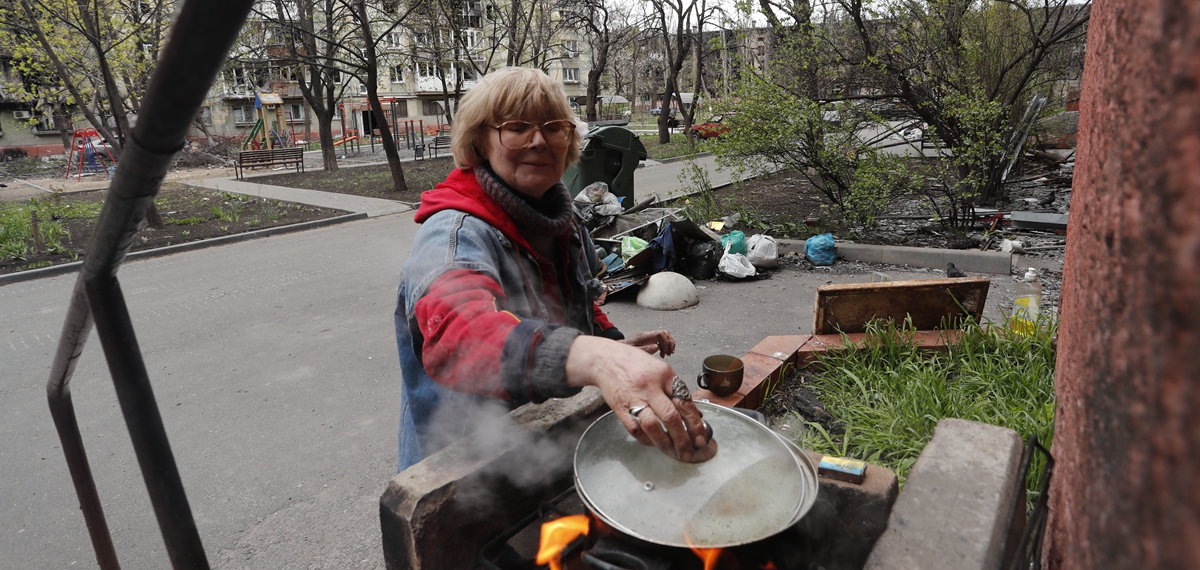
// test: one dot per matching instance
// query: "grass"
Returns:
(16, 224)
(676, 148)
(890, 395)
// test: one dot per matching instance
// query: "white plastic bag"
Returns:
(762, 251)
(735, 265)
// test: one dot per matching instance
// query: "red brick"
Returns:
(781, 347)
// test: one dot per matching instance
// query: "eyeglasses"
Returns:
(516, 135)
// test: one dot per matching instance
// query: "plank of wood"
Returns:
(930, 302)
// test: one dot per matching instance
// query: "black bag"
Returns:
(702, 259)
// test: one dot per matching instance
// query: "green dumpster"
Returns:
(609, 155)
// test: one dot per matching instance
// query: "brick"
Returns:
(957, 504)
(438, 513)
(782, 347)
(862, 512)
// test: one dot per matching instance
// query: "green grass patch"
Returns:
(16, 224)
(676, 148)
(188, 221)
(889, 395)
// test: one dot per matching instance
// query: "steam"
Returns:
(540, 461)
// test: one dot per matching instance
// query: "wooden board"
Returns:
(848, 308)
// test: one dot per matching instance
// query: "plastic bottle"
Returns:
(1027, 303)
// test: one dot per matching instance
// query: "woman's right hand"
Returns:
(630, 379)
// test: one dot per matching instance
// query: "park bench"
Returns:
(440, 142)
(290, 156)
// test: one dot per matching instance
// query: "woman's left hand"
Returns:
(660, 342)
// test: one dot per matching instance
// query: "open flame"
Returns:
(556, 535)
(707, 555)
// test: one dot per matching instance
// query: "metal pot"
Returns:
(756, 486)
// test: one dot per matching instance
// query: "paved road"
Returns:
(275, 367)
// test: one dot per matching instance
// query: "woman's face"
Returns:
(531, 170)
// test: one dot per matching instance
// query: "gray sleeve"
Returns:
(548, 374)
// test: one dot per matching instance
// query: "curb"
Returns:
(993, 262)
(72, 267)
(679, 158)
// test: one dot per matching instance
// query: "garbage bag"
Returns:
(631, 246)
(762, 251)
(734, 242)
(702, 259)
(820, 249)
(735, 265)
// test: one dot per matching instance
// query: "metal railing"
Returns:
(200, 38)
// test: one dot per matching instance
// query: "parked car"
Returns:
(713, 128)
(658, 111)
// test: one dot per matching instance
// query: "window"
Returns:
(243, 114)
(401, 108)
(394, 40)
(294, 112)
(335, 75)
(571, 49)
(570, 75)
(467, 73)
(239, 78)
(206, 115)
(398, 74)
(422, 38)
(471, 15)
(362, 88)
(426, 70)
(431, 108)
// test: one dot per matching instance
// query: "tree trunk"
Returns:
(389, 144)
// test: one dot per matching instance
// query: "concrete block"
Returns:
(861, 514)
(438, 513)
(956, 506)
(966, 260)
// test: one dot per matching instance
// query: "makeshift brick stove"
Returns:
(481, 503)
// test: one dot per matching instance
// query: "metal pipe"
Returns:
(200, 39)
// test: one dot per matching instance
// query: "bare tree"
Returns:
(607, 26)
(672, 18)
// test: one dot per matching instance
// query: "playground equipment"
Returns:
(84, 154)
(269, 108)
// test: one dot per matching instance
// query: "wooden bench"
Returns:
(290, 156)
(440, 142)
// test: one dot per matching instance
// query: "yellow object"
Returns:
(1027, 304)
(716, 226)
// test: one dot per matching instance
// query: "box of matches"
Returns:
(842, 469)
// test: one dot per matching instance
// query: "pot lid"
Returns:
(753, 488)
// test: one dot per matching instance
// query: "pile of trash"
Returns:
(642, 241)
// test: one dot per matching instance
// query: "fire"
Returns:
(556, 535)
(770, 566)
(708, 555)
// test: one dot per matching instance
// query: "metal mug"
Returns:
(722, 374)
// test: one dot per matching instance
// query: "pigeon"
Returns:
(952, 271)
(1047, 200)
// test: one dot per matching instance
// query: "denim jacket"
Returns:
(499, 318)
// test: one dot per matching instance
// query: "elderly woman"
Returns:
(496, 304)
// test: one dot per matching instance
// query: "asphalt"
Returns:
(274, 364)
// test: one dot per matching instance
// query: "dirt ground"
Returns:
(188, 214)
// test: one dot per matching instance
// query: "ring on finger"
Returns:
(634, 411)
(679, 390)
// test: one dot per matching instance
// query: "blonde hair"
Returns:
(503, 95)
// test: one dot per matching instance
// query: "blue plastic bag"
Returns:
(820, 250)
(734, 242)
